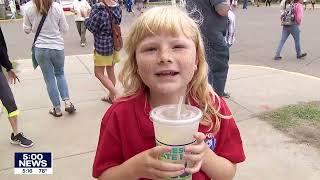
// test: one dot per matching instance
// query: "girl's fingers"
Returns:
(197, 148)
(166, 166)
(155, 153)
(199, 137)
(195, 168)
(158, 151)
(194, 157)
(166, 174)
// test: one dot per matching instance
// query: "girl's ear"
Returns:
(196, 63)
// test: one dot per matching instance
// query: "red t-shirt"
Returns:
(126, 130)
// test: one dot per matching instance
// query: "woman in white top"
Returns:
(81, 8)
(49, 49)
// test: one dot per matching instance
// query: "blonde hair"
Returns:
(174, 21)
(43, 6)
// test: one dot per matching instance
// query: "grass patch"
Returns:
(301, 122)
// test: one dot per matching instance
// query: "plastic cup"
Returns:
(170, 130)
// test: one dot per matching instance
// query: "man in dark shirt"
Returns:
(214, 16)
(7, 98)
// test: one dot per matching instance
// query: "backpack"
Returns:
(287, 18)
(116, 33)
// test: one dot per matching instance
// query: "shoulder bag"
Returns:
(116, 33)
(34, 61)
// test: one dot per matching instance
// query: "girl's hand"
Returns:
(195, 152)
(147, 165)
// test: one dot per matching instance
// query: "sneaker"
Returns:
(21, 140)
(82, 44)
(301, 55)
(277, 58)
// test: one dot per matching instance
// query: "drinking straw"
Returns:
(180, 107)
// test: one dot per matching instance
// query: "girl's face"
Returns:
(166, 64)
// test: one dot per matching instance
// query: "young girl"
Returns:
(166, 60)
(105, 57)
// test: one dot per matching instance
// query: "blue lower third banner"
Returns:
(33, 163)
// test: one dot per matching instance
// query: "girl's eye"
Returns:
(150, 49)
(178, 46)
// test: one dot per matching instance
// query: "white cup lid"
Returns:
(167, 114)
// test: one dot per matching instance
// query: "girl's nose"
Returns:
(165, 57)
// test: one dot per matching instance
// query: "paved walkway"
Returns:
(73, 139)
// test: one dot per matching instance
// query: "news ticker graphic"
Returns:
(32, 163)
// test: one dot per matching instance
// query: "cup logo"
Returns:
(176, 155)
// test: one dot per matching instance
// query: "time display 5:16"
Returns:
(27, 170)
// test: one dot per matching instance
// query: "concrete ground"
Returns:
(254, 89)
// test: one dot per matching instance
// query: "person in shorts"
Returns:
(105, 56)
(139, 4)
(6, 96)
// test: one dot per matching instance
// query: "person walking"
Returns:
(7, 98)
(139, 4)
(13, 9)
(313, 2)
(213, 29)
(49, 50)
(234, 4)
(257, 3)
(291, 26)
(129, 6)
(81, 8)
(245, 4)
(268, 2)
(305, 2)
(105, 57)
(146, 2)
